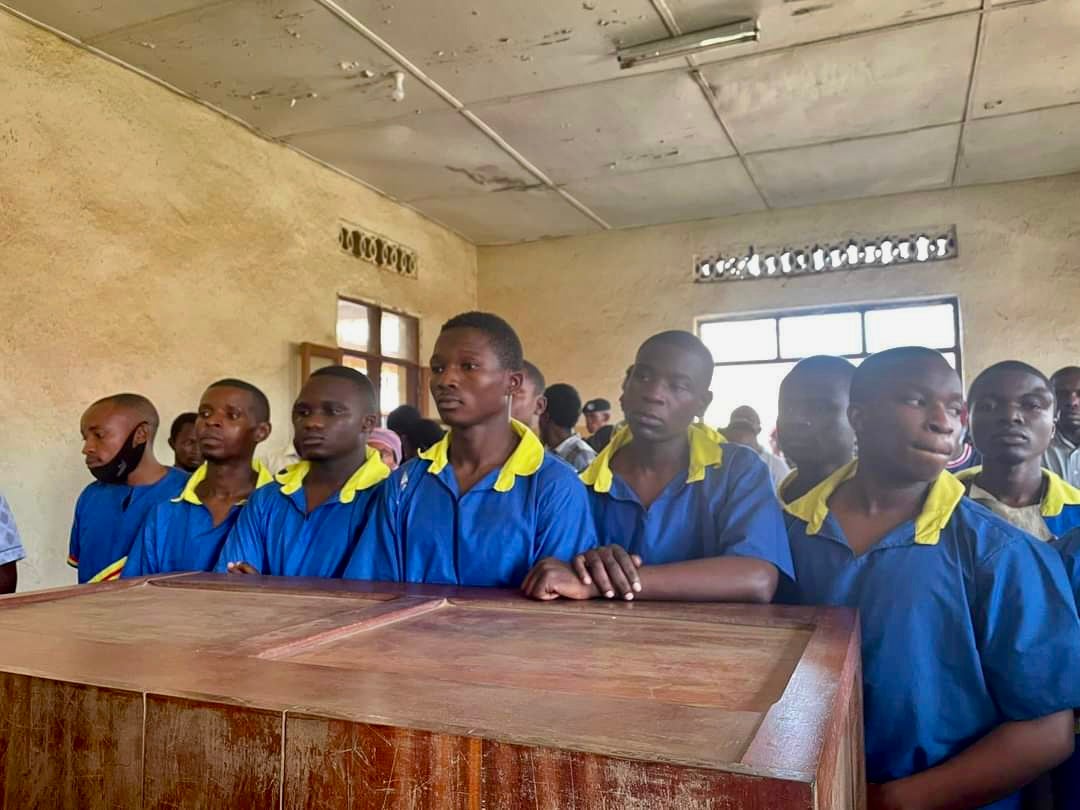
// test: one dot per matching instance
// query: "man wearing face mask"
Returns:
(118, 443)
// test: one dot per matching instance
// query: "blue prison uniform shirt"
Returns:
(427, 531)
(108, 518)
(967, 623)
(1060, 503)
(179, 534)
(277, 536)
(1066, 777)
(726, 505)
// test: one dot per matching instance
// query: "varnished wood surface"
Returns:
(396, 696)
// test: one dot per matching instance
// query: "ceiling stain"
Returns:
(494, 182)
(799, 12)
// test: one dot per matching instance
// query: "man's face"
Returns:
(1067, 392)
(527, 404)
(910, 429)
(105, 428)
(187, 455)
(227, 426)
(468, 383)
(666, 389)
(812, 425)
(331, 419)
(1012, 417)
(596, 420)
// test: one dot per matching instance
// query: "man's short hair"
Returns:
(179, 422)
(534, 375)
(361, 381)
(262, 404)
(504, 340)
(875, 369)
(1007, 365)
(135, 402)
(564, 405)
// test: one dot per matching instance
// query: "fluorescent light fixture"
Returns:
(689, 44)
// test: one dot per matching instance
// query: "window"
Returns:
(382, 344)
(754, 353)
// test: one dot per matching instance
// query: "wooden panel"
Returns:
(348, 766)
(151, 613)
(548, 779)
(672, 661)
(210, 756)
(68, 746)
(352, 766)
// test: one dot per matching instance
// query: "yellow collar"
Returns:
(370, 473)
(945, 494)
(705, 451)
(1059, 493)
(526, 459)
(264, 477)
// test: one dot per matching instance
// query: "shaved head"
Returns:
(137, 404)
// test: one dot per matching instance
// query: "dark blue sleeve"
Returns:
(142, 559)
(1027, 630)
(564, 521)
(73, 542)
(247, 539)
(749, 519)
(378, 553)
(1068, 546)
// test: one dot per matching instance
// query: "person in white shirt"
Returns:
(557, 427)
(743, 428)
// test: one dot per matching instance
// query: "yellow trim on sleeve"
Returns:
(188, 494)
(109, 572)
(370, 473)
(941, 502)
(526, 459)
(706, 450)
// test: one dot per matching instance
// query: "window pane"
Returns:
(806, 335)
(393, 387)
(756, 385)
(932, 326)
(740, 340)
(353, 326)
(398, 336)
(359, 363)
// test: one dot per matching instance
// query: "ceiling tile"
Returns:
(718, 188)
(791, 22)
(641, 123)
(433, 155)
(1031, 58)
(84, 19)
(871, 167)
(488, 49)
(1033, 144)
(867, 85)
(508, 216)
(284, 66)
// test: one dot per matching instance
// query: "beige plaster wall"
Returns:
(584, 304)
(148, 244)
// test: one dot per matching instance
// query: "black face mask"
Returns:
(127, 458)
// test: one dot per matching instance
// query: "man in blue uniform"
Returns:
(306, 524)
(1012, 423)
(668, 494)
(186, 533)
(971, 640)
(485, 503)
(118, 443)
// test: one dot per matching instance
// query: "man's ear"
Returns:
(541, 406)
(172, 443)
(515, 380)
(262, 431)
(371, 421)
(706, 401)
(856, 417)
(142, 434)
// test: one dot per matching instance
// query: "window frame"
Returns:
(374, 356)
(861, 308)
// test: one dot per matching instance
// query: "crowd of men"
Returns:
(966, 584)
